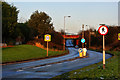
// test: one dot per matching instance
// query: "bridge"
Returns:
(71, 40)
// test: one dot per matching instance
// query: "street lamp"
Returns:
(64, 29)
(89, 36)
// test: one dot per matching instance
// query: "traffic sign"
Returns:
(80, 50)
(103, 30)
(47, 37)
(118, 36)
(83, 40)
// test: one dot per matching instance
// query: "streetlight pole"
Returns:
(83, 35)
(64, 30)
(89, 36)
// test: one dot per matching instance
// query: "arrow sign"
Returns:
(83, 40)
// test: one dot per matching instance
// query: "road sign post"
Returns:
(103, 52)
(47, 48)
(103, 30)
(82, 41)
(47, 38)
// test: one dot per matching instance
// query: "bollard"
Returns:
(84, 51)
(80, 52)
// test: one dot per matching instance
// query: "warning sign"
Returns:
(47, 37)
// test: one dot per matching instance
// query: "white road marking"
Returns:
(47, 65)
(59, 63)
(36, 67)
(19, 70)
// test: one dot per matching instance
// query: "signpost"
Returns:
(118, 36)
(47, 38)
(103, 30)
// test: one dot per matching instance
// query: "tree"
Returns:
(62, 31)
(23, 31)
(9, 21)
(40, 23)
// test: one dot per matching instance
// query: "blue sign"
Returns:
(83, 40)
(80, 50)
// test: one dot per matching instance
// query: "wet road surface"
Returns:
(43, 68)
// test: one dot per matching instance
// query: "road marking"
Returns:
(19, 70)
(36, 67)
(47, 65)
(73, 61)
(59, 63)
(65, 62)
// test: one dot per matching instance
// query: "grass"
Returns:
(96, 71)
(25, 52)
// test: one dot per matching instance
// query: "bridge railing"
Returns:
(71, 36)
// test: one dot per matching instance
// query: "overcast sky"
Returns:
(88, 13)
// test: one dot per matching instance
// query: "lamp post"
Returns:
(82, 34)
(64, 30)
(89, 36)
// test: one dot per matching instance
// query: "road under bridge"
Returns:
(71, 40)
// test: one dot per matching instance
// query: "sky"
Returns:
(87, 13)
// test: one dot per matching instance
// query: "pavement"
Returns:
(48, 68)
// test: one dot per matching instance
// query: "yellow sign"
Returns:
(47, 37)
(118, 36)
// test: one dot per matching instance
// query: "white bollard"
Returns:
(84, 51)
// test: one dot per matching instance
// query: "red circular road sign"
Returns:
(103, 30)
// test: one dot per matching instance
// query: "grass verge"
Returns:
(26, 52)
(96, 71)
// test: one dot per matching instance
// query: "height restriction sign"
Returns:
(103, 30)
(47, 37)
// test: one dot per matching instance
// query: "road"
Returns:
(69, 42)
(47, 68)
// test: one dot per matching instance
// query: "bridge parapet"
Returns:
(71, 36)
(74, 37)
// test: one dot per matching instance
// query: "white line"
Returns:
(36, 67)
(73, 61)
(59, 63)
(19, 70)
(47, 65)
